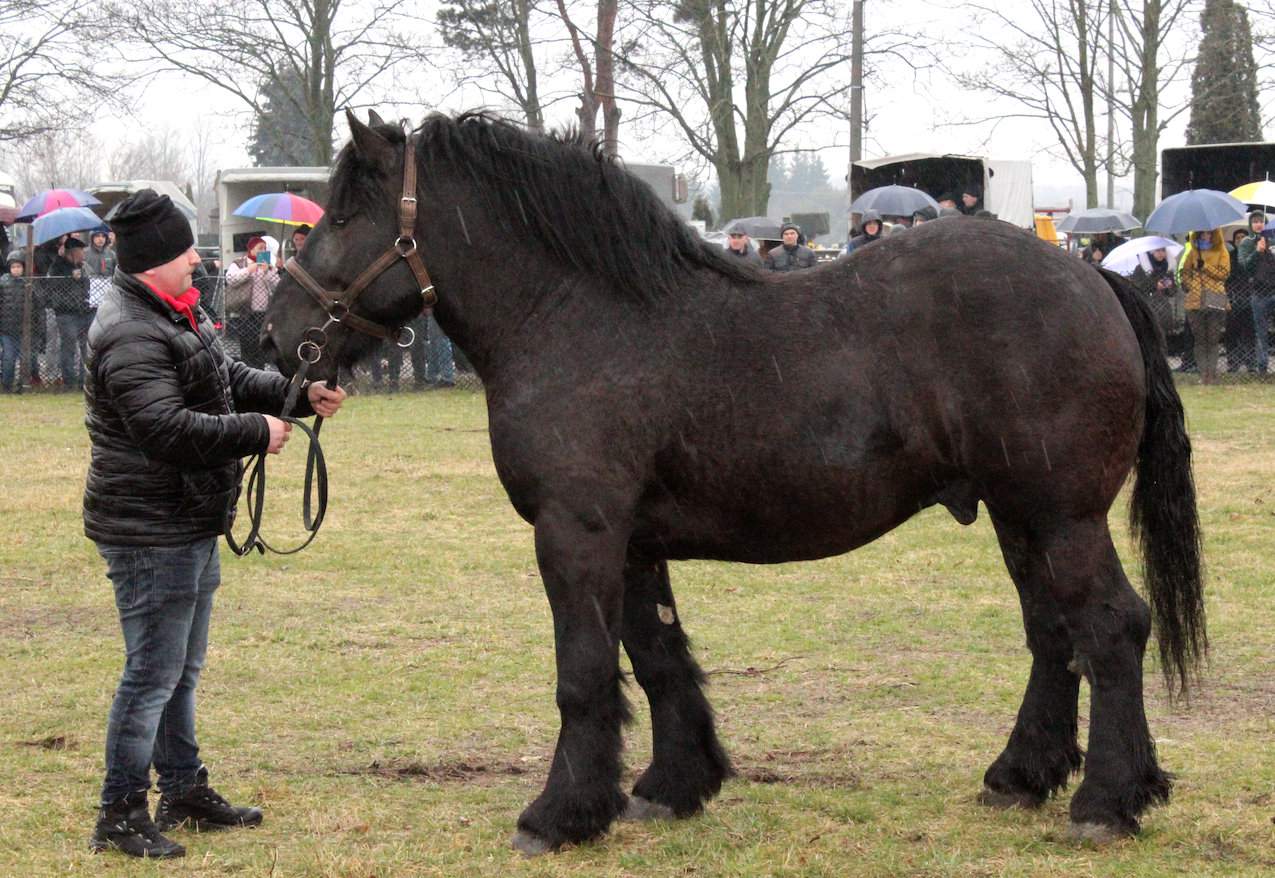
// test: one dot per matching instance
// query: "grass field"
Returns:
(387, 696)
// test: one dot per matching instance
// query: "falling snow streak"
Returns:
(460, 215)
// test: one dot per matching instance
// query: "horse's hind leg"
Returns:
(581, 559)
(689, 764)
(1042, 752)
(1107, 623)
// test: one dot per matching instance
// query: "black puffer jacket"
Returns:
(161, 403)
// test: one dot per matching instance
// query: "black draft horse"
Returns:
(649, 399)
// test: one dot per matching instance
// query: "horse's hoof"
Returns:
(997, 799)
(640, 810)
(529, 844)
(1097, 834)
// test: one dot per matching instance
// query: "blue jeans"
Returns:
(164, 595)
(73, 334)
(1263, 307)
(9, 345)
(441, 367)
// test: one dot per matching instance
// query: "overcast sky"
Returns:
(909, 110)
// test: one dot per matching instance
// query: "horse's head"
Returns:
(355, 261)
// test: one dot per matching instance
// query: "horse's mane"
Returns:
(570, 196)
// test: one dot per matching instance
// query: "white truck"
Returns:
(1006, 184)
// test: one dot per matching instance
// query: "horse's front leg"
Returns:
(581, 557)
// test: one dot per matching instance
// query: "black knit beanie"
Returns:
(149, 231)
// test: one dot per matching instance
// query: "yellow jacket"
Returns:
(1204, 271)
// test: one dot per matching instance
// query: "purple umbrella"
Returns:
(53, 199)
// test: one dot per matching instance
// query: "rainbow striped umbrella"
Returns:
(281, 207)
(52, 199)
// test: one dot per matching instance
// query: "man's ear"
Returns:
(370, 146)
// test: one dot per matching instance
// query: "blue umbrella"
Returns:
(893, 201)
(63, 221)
(1195, 210)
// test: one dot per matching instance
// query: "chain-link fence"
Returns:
(44, 326)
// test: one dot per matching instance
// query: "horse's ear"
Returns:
(374, 118)
(369, 145)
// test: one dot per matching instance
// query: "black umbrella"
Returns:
(1097, 219)
(761, 227)
(893, 201)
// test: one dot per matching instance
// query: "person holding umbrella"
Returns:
(250, 283)
(1202, 271)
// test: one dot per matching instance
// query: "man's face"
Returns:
(298, 241)
(16, 269)
(99, 240)
(738, 241)
(969, 200)
(872, 227)
(1159, 255)
(790, 237)
(174, 276)
(1257, 223)
(947, 202)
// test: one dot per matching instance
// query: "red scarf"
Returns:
(183, 304)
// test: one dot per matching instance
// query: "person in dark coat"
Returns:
(169, 415)
(739, 246)
(971, 200)
(870, 228)
(12, 293)
(1257, 260)
(790, 255)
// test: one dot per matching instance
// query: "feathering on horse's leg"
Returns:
(1042, 752)
(689, 764)
(581, 558)
(1109, 624)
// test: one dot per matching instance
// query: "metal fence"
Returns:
(54, 328)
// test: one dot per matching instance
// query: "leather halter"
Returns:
(339, 305)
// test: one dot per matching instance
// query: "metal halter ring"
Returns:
(316, 336)
(411, 337)
(337, 312)
(309, 352)
(405, 245)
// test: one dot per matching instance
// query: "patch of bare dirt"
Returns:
(52, 742)
(452, 771)
(821, 767)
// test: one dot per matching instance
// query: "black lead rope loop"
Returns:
(314, 501)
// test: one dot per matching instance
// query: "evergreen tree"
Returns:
(281, 133)
(1224, 106)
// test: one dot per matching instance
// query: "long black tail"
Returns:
(1162, 510)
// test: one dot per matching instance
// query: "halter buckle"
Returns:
(429, 296)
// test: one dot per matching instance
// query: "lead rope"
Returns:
(316, 480)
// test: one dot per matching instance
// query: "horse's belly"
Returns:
(780, 521)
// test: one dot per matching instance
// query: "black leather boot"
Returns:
(125, 825)
(201, 808)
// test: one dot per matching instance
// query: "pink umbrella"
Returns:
(52, 199)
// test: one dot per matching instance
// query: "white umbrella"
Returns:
(1124, 259)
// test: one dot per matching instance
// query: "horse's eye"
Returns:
(338, 221)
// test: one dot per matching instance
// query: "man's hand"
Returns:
(279, 433)
(323, 400)
(1261, 244)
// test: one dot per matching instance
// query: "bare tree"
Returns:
(43, 66)
(687, 63)
(340, 51)
(494, 40)
(599, 90)
(1149, 61)
(161, 155)
(1044, 58)
(59, 158)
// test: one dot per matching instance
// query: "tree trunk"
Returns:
(604, 87)
(1146, 113)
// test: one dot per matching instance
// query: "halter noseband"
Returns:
(339, 304)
